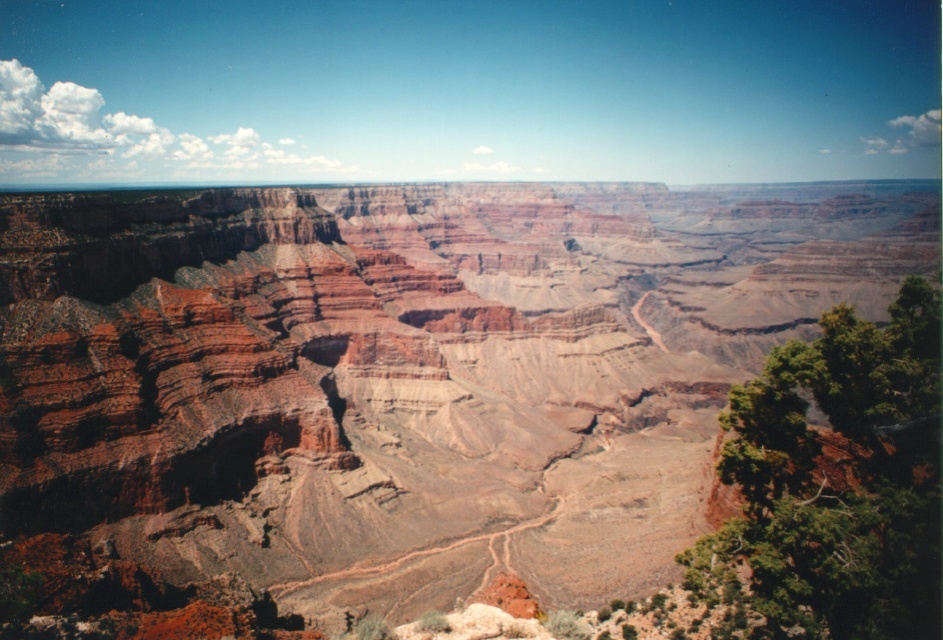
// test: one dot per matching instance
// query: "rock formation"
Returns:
(347, 395)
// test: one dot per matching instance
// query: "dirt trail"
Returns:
(285, 588)
(649, 329)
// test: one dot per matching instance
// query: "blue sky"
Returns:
(679, 91)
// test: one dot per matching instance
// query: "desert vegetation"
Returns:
(841, 529)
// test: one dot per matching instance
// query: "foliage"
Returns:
(629, 632)
(372, 627)
(604, 614)
(517, 630)
(566, 625)
(434, 622)
(815, 557)
(18, 593)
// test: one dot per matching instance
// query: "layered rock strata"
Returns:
(348, 394)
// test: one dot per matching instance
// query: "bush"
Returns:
(516, 630)
(19, 592)
(617, 605)
(658, 601)
(372, 627)
(566, 625)
(434, 622)
(629, 632)
(604, 614)
(605, 635)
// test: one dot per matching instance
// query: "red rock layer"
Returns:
(509, 593)
(171, 393)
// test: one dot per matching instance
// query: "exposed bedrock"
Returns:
(349, 394)
(99, 249)
(159, 400)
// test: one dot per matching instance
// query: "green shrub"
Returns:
(617, 605)
(604, 614)
(18, 593)
(629, 632)
(434, 622)
(566, 625)
(658, 601)
(605, 635)
(372, 627)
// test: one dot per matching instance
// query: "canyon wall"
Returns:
(345, 394)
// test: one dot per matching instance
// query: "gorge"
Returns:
(383, 396)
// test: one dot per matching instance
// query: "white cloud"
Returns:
(192, 148)
(156, 144)
(122, 123)
(825, 152)
(924, 129)
(20, 94)
(482, 150)
(71, 117)
(243, 144)
(62, 124)
(245, 138)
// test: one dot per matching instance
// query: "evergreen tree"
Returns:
(819, 556)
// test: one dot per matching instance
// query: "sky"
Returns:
(147, 92)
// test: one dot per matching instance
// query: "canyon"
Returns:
(384, 397)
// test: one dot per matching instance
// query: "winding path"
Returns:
(285, 588)
(649, 329)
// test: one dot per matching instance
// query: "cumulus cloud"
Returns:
(20, 96)
(192, 148)
(67, 117)
(245, 137)
(71, 117)
(123, 124)
(155, 144)
(242, 146)
(921, 131)
(924, 129)
(68, 121)
(482, 150)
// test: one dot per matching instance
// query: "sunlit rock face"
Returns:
(391, 394)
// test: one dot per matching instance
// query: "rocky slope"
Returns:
(389, 394)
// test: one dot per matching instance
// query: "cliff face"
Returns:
(99, 249)
(163, 396)
(306, 386)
